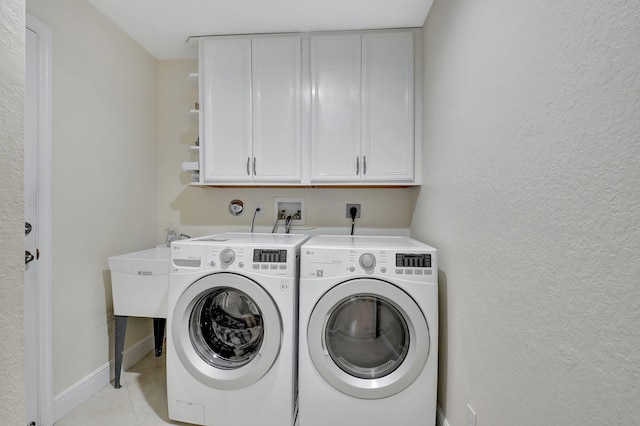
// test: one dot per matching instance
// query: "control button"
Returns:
(227, 256)
(418, 271)
(256, 266)
(274, 267)
(428, 272)
(399, 271)
(212, 263)
(383, 270)
(264, 266)
(282, 266)
(241, 265)
(352, 268)
(408, 271)
(367, 261)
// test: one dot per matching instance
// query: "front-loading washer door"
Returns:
(227, 330)
(368, 338)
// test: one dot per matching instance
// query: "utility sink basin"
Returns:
(140, 287)
(140, 283)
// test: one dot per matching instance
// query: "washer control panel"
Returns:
(266, 261)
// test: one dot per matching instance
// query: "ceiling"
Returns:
(163, 26)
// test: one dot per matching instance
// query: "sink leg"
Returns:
(121, 331)
(158, 333)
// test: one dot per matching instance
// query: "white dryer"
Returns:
(231, 329)
(368, 342)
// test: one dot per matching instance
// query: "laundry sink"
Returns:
(139, 286)
(140, 283)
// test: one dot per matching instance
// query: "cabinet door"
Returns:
(388, 106)
(225, 70)
(335, 107)
(276, 79)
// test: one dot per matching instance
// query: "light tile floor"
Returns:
(141, 401)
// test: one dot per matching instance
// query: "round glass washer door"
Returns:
(227, 330)
(368, 338)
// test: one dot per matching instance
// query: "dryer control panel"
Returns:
(329, 263)
(413, 260)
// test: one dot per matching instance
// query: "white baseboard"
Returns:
(73, 396)
(441, 420)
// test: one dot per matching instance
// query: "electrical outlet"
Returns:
(259, 205)
(357, 206)
(471, 416)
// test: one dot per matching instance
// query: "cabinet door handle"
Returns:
(254, 166)
(357, 166)
(248, 170)
(364, 165)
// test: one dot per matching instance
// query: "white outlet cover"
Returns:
(277, 202)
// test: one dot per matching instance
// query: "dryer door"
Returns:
(368, 338)
(227, 330)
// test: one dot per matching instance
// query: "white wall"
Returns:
(104, 178)
(12, 406)
(531, 195)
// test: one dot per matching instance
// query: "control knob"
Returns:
(227, 256)
(367, 261)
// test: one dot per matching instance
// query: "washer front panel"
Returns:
(227, 330)
(368, 338)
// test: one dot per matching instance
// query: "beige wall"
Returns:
(12, 406)
(104, 177)
(531, 195)
(201, 211)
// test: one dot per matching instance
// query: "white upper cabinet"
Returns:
(363, 107)
(340, 108)
(250, 102)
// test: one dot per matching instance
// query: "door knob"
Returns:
(27, 228)
(28, 257)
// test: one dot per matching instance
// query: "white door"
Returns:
(388, 107)
(225, 75)
(335, 107)
(368, 338)
(276, 98)
(227, 331)
(37, 193)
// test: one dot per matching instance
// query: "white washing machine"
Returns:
(232, 329)
(368, 342)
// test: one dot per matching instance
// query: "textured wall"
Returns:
(12, 408)
(104, 177)
(532, 177)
